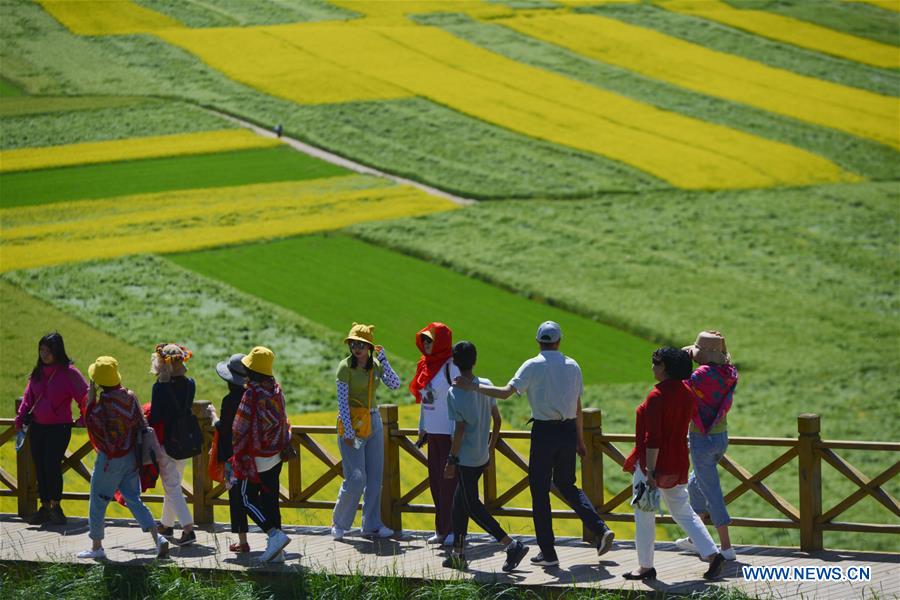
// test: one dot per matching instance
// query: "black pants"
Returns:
(467, 504)
(261, 499)
(48, 447)
(237, 509)
(552, 460)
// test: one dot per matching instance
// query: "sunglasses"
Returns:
(427, 340)
(358, 345)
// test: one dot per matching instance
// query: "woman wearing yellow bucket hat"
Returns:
(114, 420)
(360, 434)
(260, 433)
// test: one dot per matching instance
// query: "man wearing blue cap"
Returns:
(553, 383)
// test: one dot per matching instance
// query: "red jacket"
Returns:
(662, 422)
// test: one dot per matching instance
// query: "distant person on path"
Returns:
(554, 386)
(260, 435)
(435, 373)
(360, 433)
(234, 373)
(46, 411)
(659, 461)
(170, 403)
(114, 420)
(713, 384)
(473, 442)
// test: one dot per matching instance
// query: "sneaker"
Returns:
(239, 548)
(187, 538)
(514, 555)
(687, 545)
(449, 539)
(456, 561)
(540, 561)
(606, 542)
(162, 547)
(337, 533)
(729, 554)
(98, 554)
(278, 558)
(715, 567)
(380, 533)
(57, 516)
(40, 517)
(436, 539)
(163, 530)
(277, 541)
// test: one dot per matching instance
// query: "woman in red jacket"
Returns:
(659, 461)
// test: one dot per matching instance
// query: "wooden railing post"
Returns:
(390, 484)
(592, 462)
(490, 481)
(810, 461)
(201, 483)
(26, 477)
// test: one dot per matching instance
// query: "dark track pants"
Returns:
(466, 504)
(552, 460)
(261, 500)
(237, 509)
(442, 489)
(48, 447)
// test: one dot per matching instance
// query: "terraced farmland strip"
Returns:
(330, 278)
(865, 157)
(732, 41)
(34, 122)
(429, 62)
(109, 180)
(398, 10)
(101, 17)
(9, 90)
(791, 31)
(25, 159)
(224, 13)
(193, 219)
(721, 75)
(892, 5)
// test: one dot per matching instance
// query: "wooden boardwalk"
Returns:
(409, 556)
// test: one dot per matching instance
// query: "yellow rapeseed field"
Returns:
(688, 65)
(25, 159)
(192, 219)
(398, 9)
(429, 62)
(793, 31)
(106, 17)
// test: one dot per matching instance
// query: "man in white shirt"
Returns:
(553, 384)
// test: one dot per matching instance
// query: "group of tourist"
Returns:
(681, 422)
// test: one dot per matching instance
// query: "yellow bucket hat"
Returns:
(105, 371)
(260, 360)
(361, 333)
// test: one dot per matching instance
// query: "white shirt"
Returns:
(553, 384)
(434, 416)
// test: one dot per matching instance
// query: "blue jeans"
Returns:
(111, 474)
(363, 471)
(703, 483)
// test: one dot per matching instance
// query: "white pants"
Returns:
(171, 472)
(678, 502)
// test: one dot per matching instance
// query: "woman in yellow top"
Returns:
(360, 433)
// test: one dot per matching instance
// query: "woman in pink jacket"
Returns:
(46, 410)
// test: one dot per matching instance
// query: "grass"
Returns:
(108, 180)
(858, 155)
(229, 13)
(9, 90)
(725, 39)
(335, 279)
(101, 582)
(35, 122)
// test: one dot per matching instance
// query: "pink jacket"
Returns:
(52, 395)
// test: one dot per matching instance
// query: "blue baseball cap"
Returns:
(549, 332)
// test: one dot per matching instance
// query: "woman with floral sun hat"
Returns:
(260, 433)
(360, 433)
(171, 400)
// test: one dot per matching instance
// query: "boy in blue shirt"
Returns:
(470, 452)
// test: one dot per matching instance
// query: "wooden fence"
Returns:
(808, 448)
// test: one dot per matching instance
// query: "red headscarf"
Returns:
(430, 364)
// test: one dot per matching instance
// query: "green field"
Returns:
(240, 13)
(335, 279)
(241, 167)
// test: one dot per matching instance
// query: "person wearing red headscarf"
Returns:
(434, 376)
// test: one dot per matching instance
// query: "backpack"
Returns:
(184, 439)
